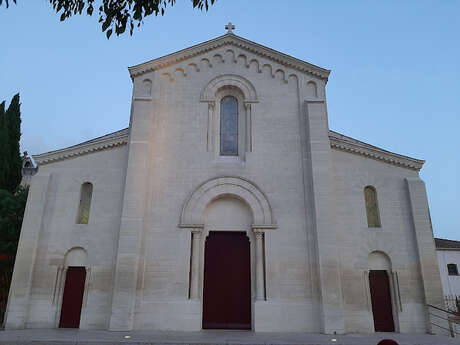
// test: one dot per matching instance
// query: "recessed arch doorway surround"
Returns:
(194, 218)
(381, 287)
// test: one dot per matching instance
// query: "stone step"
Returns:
(87, 337)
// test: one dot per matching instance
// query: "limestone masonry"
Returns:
(226, 138)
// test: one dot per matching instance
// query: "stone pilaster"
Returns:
(210, 137)
(318, 181)
(248, 109)
(132, 218)
(260, 263)
(195, 264)
(18, 301)
(429, 268)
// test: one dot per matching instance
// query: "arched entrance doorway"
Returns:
(379, 286)
(74, 288)
(227, 281)
(72, 299)
(228, 218)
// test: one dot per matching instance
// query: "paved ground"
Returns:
(81, 337)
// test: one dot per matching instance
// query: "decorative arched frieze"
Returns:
(208, 93)
(217, 58)
(180, 72)
(230, 56)
(231, 43)
(205, 62)
(281, 75)
(167, 74)
(255, 63)
(192, 215)
(193, 67)
(243, 60)
(267, 68)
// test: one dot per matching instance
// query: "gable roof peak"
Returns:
(232, 39)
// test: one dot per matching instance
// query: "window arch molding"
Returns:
(208, 94)
(245, 93)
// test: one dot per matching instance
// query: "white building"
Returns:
(227, 203)
(448, 252)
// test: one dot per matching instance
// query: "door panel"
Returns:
(381, 301)
(227, 281)
(73, 297)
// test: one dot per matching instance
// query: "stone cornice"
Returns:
(374, 152)
(337, 141)
(226, 40)
(98, 144)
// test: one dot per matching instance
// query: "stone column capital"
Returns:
(196, 232)
(192, 227)
(258, 233)
(260, 263)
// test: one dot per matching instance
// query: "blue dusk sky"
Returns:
(395, 80)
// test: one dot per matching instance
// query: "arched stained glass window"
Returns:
(229, 126)
(372, 210)
(86, 194)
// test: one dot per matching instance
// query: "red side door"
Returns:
(227, 281)
(381, 301)
(73, 297)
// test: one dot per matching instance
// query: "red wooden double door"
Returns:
(72, 299)
(382, 310)
(227, 281)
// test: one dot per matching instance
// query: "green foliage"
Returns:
(6, 3)
(12, 206)
(13, 198)
(4, 141)
(10, 134)
(13, 116)
(116, 15)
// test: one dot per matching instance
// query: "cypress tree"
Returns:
(12, 197)
(10, 134)
(4, 147)
(13, 115)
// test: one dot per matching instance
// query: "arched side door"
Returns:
(382, 310)
(72, 299)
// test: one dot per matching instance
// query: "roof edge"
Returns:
(344, 143)
(337, 141)
(445, 244)
(228, 39)
(111, 140)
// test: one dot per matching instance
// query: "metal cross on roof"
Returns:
(229, 27)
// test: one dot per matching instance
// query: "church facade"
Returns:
(226, 204)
